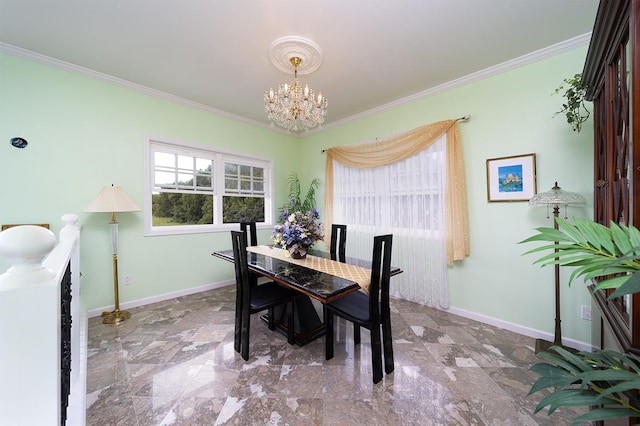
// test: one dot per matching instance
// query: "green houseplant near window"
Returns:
(605, 380)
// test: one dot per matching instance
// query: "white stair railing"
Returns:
(43, 329)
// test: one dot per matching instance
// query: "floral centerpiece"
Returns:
(299, 232)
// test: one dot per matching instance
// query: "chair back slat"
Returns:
(239, 240)
(380, 277)
(337, 248)
(251, 237)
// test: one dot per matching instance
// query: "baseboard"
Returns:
(161, 297)
(517, 328)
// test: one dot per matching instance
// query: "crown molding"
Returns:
(96, 75)
(529, 58)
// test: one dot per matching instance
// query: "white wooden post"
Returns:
(30, 329)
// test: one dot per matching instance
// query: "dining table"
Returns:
(315, 277)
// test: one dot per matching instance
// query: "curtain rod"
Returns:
(464, 117)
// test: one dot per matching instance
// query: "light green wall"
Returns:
(511, 114)
(84, 134)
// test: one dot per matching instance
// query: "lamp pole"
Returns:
(116, 316)
(555, 198)
(557, 339)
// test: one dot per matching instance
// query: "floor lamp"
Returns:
(555, 198)
(113, 199)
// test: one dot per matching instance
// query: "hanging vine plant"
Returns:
(574, 108)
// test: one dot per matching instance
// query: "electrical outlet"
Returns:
(127, 280)
(585, 312)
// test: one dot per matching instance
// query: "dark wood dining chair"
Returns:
(251, 237)
(253, 299)
(337, 248)
(369, 311)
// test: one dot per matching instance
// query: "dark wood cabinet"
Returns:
(612, 76)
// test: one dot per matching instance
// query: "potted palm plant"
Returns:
(296, 202)
(299, 228)
(605, 380)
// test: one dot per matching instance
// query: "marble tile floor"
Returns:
(173, 363)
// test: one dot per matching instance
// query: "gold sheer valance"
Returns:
(405, 145)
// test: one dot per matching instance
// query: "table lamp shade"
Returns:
(111, 199)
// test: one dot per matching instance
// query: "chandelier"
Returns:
(294, 107)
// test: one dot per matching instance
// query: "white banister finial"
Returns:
(25, 247)
(69, 219)
(70, 228)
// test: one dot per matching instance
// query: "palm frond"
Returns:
(606, 381)
(295, 201)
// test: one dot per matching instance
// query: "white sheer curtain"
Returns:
(406, 199)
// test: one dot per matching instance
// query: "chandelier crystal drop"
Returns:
(294, 107)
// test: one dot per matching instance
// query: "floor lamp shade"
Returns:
(555, 198)
(113, 199)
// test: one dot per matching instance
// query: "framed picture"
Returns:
(511, 178)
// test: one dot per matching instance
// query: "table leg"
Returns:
(307, 323)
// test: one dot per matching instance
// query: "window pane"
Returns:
(231, 185)
(185, 180)
(185, 162)
(164, 179)
(243, 179)
(241, 209)
(171, 209)
(203, 181)
(204, 178)
(203, 164)
(230, 169)
(245, 171)
(182, 172)
(165, 160)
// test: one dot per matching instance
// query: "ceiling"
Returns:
(215, 54)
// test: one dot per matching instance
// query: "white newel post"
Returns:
(30, 329)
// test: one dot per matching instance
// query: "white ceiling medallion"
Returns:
(293, 106)
(283, 49)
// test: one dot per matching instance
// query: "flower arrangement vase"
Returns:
(296, 255)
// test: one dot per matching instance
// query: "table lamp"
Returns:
(555, 198)
(113, 199)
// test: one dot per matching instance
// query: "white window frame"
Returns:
(219, 157)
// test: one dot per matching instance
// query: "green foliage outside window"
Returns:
(242, 209)
(182, 209)
(172, 209)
